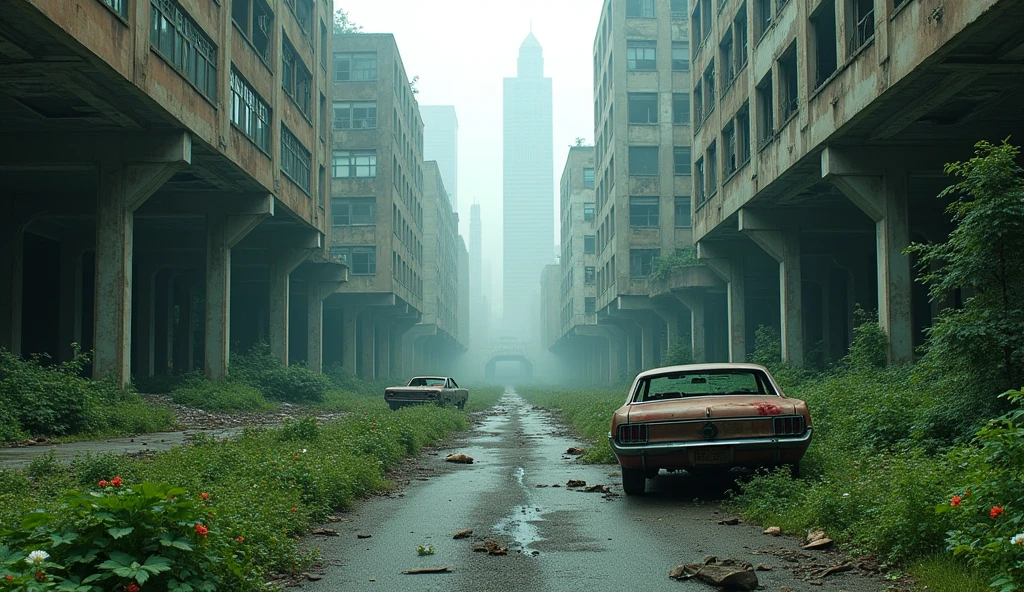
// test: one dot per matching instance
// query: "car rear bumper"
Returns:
(737, 452)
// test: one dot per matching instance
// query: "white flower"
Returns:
(1017, 539)
(303, 451)
(37, 557)
(846, 495)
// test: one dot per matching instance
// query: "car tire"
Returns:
(461, 405)
(634, 481)
(794, 470)
(393, 406)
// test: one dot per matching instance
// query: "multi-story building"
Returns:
(528, 189)
(821, 129)
(642, 133)
(441, 144)
(164, 153)
(376, 204)
(479, 317)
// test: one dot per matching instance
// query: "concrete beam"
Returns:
(49, 149)
(926, 102)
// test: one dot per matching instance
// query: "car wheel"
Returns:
(794, 470)
(393, 406)
(461, 405)
(634, 481)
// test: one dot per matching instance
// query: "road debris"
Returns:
(598, 489)
(428, 570)
(363, 535)
(576, 483)
(731, 574)
(325, 532)
(773, 531)
(424, 550)
(575, 450)
(824, 573)
(463, 533)
(459, 458)
(730, 521)
(763, 567)
(817, 540)
(491, 547)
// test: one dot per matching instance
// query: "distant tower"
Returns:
(441, 143)
(477, 314)
(528, 192)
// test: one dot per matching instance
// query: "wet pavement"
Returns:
(557, 538)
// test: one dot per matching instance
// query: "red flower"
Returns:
(955, 502)
(967, 493)
(240, 539)
(133, 587)
(40, 576)
(201, 530)
(9, 578)
(103, 483)
(204, 495)
(995, 512)
(116, 482)
(295, 509)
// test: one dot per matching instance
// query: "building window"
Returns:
(256, 21)
(353, 163)
(118, 6)
(860, 16)
(588, 178)
(711, 158)
(823, 36)
(742, 135)
(360, 260)
(739, 27)
(355, 66)
(295, 159)
(642, 262)
(727, 58)
(323, 45)
(683, 213)
(681, 158)
(639, 8)
(765, 111)
(355, 115)
(589, 304)
(708, 83)
(698, 98)
(643, 211)
(640, 55)
(249, 112)
(677, 9)
(175, 36)
(729, 149)
(588, 275)
(588, 211)
(699, 180)
(681, 109)
(681, 56)
(303, 14)
(353, 211)
(643, 160)
(762, 17)
(788, 98)
(589, 244)
(695, 24)
(295, 77)
(643, 108)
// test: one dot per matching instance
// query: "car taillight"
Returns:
(789, 426)
(633, 433)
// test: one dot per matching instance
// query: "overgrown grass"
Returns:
(223, 395)
(588, 412)
(940, 573)
(266, 486)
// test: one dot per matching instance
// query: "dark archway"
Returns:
(525, 364)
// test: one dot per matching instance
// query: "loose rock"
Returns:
(459, 458)
(598, 489)
(773, 530)
(576, 483)
(575, 450)
(463, 533)
(731, 574)
(730, 521)
(363, 535)
(818, 544)
(428, 570)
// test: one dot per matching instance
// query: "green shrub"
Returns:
(295, 384)
(222, 395)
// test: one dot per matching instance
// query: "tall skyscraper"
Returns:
(477, 314)
(441, 143)
(528, 189)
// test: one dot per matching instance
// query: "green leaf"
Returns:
(120, 532)
(156, 564)
(141, 576)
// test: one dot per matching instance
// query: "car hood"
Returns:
(713, 407)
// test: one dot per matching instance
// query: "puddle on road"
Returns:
(520, 523)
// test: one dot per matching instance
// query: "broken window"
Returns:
(681, 109)
(589, 244)
(351, 66)
(639, 8)
(640, 55)
(742, 135)
(643, 108)
(698, 6)
(708, 84)
(588, 178)
(698, 105)
(711, 159)
(788, 97)
(175, 36)
(739, 28)
(684, 215)
(705, 19)
(681, 156)
(643, 262)
(823, 36)
(765, 111)
(295, 77)
(762, 17)
(353, 163)
(729, 149)
(353, 211)
(643, 160)
(355, 115)
(727, 57)
(360, 260)
(295, 159)
(699, 180)
(681, 56)
(304, 14)
(588, 212)
(860, 24)
(255, 20)
(249, 112)
(588, 275)
(643, 211)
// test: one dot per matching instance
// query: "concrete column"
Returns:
(649, 332)
(69, 319)
(695, 302)
(282, 263)
(367, 346)
(671, 319)
(382, 355)
(165, 363)
(730, 268)
(880, 191)
(350, 338)
(144, 324)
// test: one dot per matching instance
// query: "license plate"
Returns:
(710, 456)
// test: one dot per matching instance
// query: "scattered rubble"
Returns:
(325, 532)
(575, 450)
(731, 574)
(363, 535)
(730, 521)
(598, 489)
(427, 570)
(463, 533)
(459, 458)
(773, 531)
(576, 483)
(491, 547)
(824, 573)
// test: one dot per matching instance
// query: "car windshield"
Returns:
(426, 382)
(701, 383)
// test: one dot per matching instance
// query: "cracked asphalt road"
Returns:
(557, 538)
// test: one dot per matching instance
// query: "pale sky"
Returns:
(461, 50)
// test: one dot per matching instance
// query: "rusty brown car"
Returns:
(706, 417)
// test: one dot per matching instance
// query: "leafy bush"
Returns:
(259, 369)
(223, 395)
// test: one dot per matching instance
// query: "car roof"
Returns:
(701, 368)
(431, 377)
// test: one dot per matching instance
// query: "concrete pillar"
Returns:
(694, 301)
(729, 267)
(144, 311)
(880, 191)
(282, 263)
(321, 283)
(69, 318)
(367, 346)
(382, 355)
(350, 338)
(165, 318)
